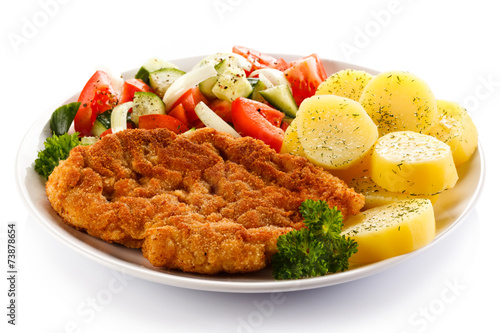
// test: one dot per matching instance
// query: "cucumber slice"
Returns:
(257, 88)
(101, 124)
(272, 77)
(146, 103)
(161, 79)
(152, 65)
(287, 120)
(207, 85)
(89, 140)
(253, 81)
(281, 98)
(231, 84)
(216, 58)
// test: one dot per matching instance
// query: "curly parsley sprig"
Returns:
(57, 148)
(317, 249)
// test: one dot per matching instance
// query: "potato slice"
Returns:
(399, 101)
(291, 142)
(359, 169)
(455, 128)
(412, 163)
(335, 132)
(391, 230)
(377, 196)
(348, 83)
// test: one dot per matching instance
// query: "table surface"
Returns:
(51, 47)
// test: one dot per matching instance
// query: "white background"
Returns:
(50, 48)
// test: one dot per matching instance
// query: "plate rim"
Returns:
(198, 282)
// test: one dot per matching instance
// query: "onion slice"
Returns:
(266, 81)
(186, 82)
(274, 76)
(119, 117)
(212, 120)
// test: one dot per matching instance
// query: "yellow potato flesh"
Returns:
(335, 132)
(399, 101)
(291, 142)
(377, 196)
(412, 163)
(358, 169)
(348, 83)
(391, 230)
(455, 128)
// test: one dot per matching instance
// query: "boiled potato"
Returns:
(455, 128)
(412, 163)
(377, 196)
(335, 132)
(358, 169)
(391, 230)
(399, 101)
(348, 83)
(291, 142)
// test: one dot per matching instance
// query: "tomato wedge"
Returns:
(222, 108)
(106, 132)
(130, 87)
(152, 121)
(248, 120)
(275, 117)
(179, 113)
(260, 60)
(96, 97)
(305, 75)
(189, 100)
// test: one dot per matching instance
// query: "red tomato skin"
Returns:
(198, 124)
(248, 121)
(275, 117)
(83, 120)
(319, 65)
(152, 121)
(179, 113)
(222, 109)
(106, 132)
(130, 87)
(96, 97)
(260, 60)
(284, 126)
(189, 100)
(305, 75)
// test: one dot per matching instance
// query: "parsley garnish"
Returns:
(56, 149)
(318, 248)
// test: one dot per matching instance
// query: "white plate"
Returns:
(451, 208)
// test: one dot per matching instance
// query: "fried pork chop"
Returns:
(200, 202)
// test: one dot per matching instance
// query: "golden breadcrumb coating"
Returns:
(200, 202)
